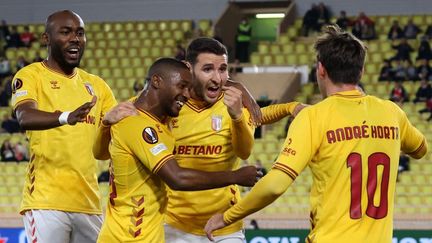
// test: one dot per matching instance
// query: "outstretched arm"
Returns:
(274, 113)
(31, 118)
(178, 178)
(268, 189)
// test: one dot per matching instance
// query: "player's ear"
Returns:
(321, 71)
(45, 38)
(155, 81)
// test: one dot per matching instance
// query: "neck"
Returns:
(147, 101)
(51, 63)
(333, 88)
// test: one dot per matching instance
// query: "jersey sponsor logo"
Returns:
(150, 135)
(16, 85)
(216, 123)
(89, 89)
(363, 131)
(198, 149)
(54, 84)
(158, 148)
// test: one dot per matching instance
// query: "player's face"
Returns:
(67, 40)
(210, 73)
(176, 92)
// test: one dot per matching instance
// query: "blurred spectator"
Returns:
(424, 50)
(399, 71)
(323, 15)
(424, 70)
(235, 68)
(5, 68)
(38, 57)
(243, 39)
(180, 53)
(395, 31)
(14, 39)
(404, 162)
(103, 177)
(343, 21)
(398, 94)
(364, 27)
(428, 108)
(310, 20)
(4, 30)
(386, 73)
(6, 93)
(27, 37)
(259, 166)
(424, 92)
(137, 87)
(411, 71)
(428, 32)
(7, 153)
(21, 152)
(403, 49)
(10, 124)
(411, 30)
(21, 62)
(254, 224)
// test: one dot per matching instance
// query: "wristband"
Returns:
(63, 117)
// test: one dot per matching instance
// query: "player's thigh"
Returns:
(173, 235)
(50, 226)
(236, 237)
(86, 227)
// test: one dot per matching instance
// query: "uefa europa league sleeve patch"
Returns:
(150, 135)
(16, 85)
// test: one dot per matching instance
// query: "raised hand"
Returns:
(248, 101)
(247, 175)
(233, 101)
(214, 223)
(79, 115)
(120, 111)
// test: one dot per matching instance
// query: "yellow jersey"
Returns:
(352, 144)
(139, 147)
(62, 170)
(204, 142)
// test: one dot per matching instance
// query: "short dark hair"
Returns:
(161, 65)
(341, 54)
(204, 45)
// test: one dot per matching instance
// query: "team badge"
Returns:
(89, 89)
(150, 135)
(216, 123)
(16, 85)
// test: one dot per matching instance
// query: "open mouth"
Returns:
(213, 92)
(179, 104)
(73, 53)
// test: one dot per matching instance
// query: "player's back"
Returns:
(357, 140)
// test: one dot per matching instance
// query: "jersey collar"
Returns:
(355, 93)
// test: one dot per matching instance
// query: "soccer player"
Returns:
(61, 106)
(351, 142)
(142, 161)
(212, 132)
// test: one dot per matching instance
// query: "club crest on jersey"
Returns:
(16, 85)
(216, 123)
(150, 135)
(89, 89)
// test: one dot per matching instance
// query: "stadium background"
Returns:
(124, 38)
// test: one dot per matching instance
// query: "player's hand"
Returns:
(119, 112)
(80, 114)
(298, 108)
(248, 101)
(214, 223)
(247, 175)
(233, 101)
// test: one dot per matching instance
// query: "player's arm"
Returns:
(241, 132)
(183, 179)
(31, 118)
(413, 142)
(267, 190)
(103, 136)
(274, 113)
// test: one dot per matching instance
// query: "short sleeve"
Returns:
(24, 86)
